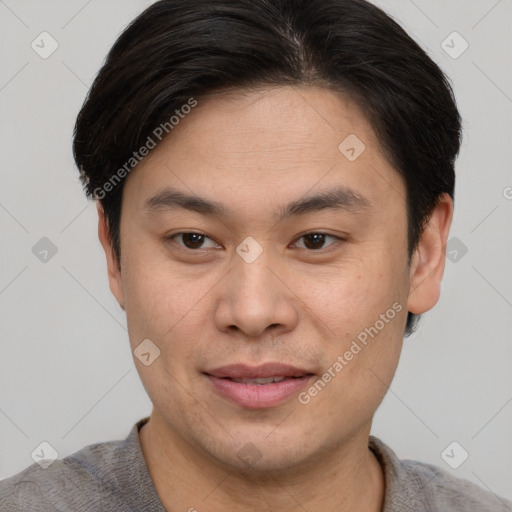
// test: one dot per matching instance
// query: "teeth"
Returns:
(266, 380)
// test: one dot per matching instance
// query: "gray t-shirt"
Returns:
(113, 477)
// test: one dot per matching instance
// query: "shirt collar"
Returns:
(404, 489)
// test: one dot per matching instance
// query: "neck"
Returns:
(348, 478)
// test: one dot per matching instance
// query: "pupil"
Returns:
(317, 239)
(192, 240)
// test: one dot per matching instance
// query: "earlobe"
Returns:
(428, 261)
(114, 272)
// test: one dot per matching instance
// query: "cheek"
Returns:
(153, 299)
(364, 308)
(164, 306)
(352, 296)
(360, 362)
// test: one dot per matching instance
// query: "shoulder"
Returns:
(83, 481)
(413, 485)
(455, 494)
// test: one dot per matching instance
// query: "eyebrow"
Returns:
(338, 198)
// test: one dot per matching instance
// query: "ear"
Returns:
(427, 263)
(113, 266)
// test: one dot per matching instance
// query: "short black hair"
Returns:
(176, 50)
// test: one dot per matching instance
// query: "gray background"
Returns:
(66, 372)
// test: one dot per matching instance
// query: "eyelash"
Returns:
(176, 235)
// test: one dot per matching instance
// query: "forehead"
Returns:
(245, 147)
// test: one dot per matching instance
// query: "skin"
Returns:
(254, 152)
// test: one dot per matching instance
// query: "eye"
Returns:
(191, 240)
(315, 241)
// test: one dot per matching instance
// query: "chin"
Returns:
(258, 453)
(251, 460)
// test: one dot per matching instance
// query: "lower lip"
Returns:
(259, 396)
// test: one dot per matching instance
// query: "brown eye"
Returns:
(315, 241)
(192, 240)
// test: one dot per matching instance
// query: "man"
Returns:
(274, 220)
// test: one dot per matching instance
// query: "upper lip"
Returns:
(270, 369)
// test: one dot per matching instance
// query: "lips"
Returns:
(261, 381)
(262, 371)
(255, 387)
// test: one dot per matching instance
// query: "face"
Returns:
(269, 266)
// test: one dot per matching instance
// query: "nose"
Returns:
(256, 298)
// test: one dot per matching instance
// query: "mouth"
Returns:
(257, 387)
(262, 381)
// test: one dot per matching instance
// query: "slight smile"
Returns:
(258, 387)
